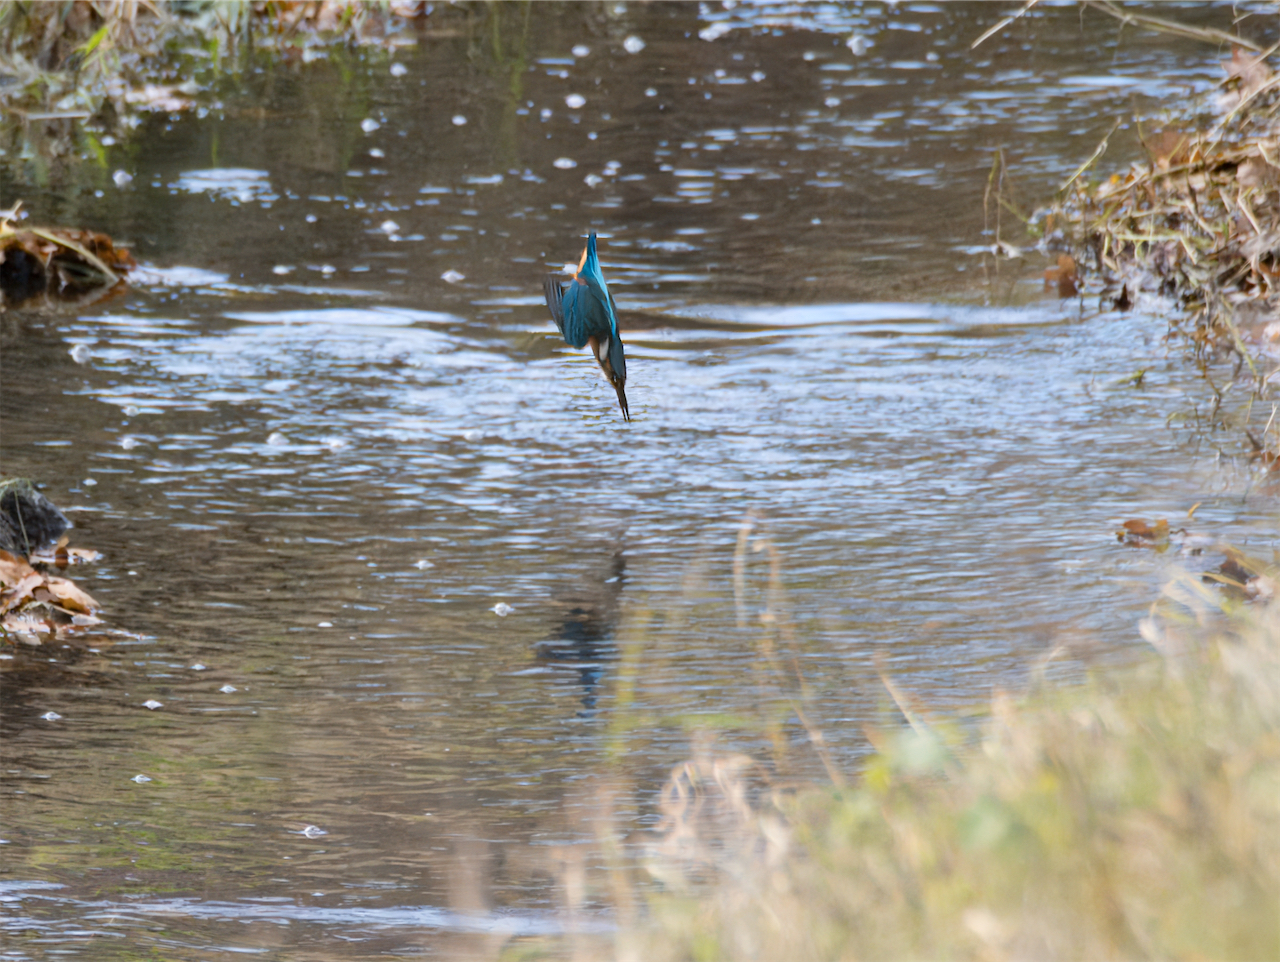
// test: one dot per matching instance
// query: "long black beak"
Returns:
(622, 400)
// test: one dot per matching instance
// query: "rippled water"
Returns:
(420, 609)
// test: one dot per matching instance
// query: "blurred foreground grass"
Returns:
(1134, 816)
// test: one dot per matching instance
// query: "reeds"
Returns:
(1135, 815)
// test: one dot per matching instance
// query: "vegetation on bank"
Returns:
(1197, 223)
(1136, 816)
(76, 76)
(76, 58)
(1196, 226)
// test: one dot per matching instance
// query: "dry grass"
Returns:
(61, 57)
(1134, 816)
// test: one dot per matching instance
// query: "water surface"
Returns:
(416, 601)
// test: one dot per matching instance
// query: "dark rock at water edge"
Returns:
(28, 520)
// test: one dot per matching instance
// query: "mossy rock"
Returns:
(28, 520)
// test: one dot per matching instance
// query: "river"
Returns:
(425, 618)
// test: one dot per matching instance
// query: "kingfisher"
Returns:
(585, 314)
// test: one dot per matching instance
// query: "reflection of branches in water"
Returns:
(1235, 425)
(1231, 416)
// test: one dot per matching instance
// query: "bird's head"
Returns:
(590, 261)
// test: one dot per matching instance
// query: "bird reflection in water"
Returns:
(588, 620)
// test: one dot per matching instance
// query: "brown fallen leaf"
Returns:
(71, 596)
(1064, 275)
(20, 592)
(64, 556)
(26, 626)
(57, 260)
(1246, 75)
(1140, 533)
(1167, 148)
(1232, 568)
(13, 569)
(1241, 577)
(1256, 172)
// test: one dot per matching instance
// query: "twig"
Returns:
(900, 700)
(1160, 25)
(1003, 23)
(993, 181)
(1101, 149)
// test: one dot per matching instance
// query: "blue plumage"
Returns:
(585, 313)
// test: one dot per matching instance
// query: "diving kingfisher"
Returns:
(585, 314)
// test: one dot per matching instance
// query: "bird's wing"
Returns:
(577, 311)
(617, 357)
(555, 299)
(614, 307)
